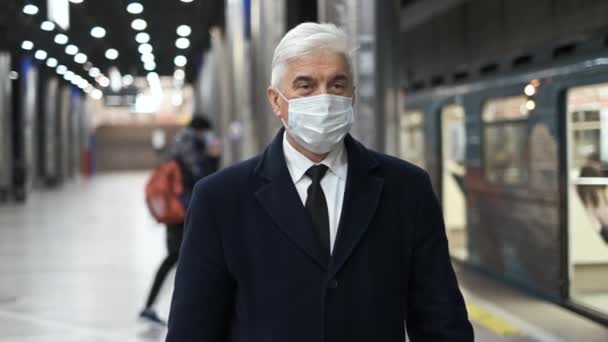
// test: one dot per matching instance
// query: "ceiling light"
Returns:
(71, 49)
(179, 74)
(80, 58)
(104, 81)
(152, 77)
(30, 9)
(51, 62)
(96, 94)
(530, 104)
(150, 66)
(98, 32)
(40, 54)
(182, 43)
(27, 45)
(75, 79)
(139, 24)
(142, 37)
(76, 1)
(147, 58)
(530, 90)
(62, 69)
(68, 75)
(127, 80)
(94, 72)
(135, 8)
(111, 54)
(184, 30)
(187, 1)
(145, 49)
(180, 61)
(47, 26)
(82, 83)
(61, 39)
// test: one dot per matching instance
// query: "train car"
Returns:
(520, 164)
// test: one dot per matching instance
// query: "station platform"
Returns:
(76, 264)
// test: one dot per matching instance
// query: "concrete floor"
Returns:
(76, 264)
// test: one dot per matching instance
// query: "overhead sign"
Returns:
(59, 13)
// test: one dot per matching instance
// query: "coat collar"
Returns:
(280, 199)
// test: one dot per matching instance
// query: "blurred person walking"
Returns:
(196, 152)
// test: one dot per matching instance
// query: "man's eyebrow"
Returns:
(302, 79)
(340, 77)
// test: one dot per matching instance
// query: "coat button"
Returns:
(332, 284)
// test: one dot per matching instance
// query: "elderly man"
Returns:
(318, 238)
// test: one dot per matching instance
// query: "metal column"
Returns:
(6, 145)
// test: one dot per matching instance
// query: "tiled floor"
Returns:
(76, 264)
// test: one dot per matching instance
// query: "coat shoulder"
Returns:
(230, 180)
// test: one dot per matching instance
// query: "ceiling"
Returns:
(162, 18)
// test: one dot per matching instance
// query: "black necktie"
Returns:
(317, 205)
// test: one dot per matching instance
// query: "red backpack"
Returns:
(163, 192)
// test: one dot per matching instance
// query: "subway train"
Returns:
(43, 127)
(505, 154)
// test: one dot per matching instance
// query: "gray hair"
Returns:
(305, 39)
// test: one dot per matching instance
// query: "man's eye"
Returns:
(304, 86)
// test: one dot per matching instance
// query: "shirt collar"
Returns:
(298, 164)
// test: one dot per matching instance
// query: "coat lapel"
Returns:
(361, 198)
(279, 197)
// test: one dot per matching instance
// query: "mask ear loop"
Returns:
(281, 94)
(284, 98)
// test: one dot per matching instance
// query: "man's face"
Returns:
(314, 74)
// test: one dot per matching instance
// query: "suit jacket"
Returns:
(252, 269)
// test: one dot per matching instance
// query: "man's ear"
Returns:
(273, 100)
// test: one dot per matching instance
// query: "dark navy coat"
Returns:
(251, 268)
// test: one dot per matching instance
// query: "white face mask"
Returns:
(319, 122)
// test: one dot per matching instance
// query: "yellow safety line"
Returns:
(484, 318)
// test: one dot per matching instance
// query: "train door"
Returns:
(453, 172)
(587, 173)
(411, 137)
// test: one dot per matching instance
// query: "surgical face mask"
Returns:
(319, 122)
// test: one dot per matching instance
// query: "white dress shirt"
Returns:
(333, 183)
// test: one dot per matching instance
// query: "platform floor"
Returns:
(76, 264)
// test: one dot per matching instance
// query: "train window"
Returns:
(412, 137)
(505, 140)
(587, 127)
(505, 109)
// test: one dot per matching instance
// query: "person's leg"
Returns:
(159, 279)
(174, 235)
(173, 240)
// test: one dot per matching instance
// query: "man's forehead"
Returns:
(319, 64)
